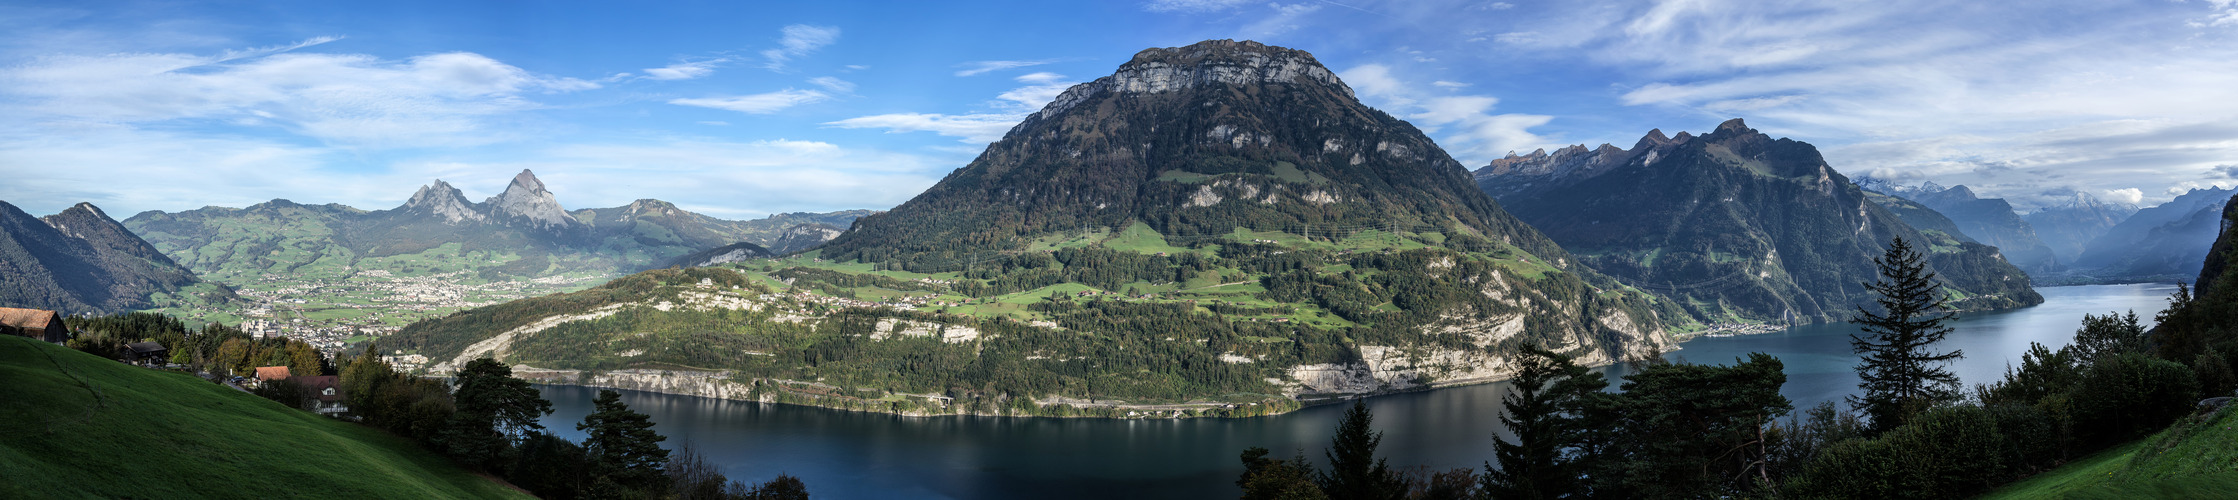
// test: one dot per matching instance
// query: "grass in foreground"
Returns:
(2192, 459)
(86, 427)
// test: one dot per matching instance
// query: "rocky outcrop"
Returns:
(441, 201)
(1219, 61)
(527, 199)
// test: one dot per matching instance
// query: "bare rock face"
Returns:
(445, 202)
(1173, 69)
(526, 198)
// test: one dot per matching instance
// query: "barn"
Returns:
(40, 324)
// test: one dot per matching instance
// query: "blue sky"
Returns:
(741, 109)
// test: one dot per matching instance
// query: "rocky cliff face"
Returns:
(527, 200)
(442, 202)
(1736, 224)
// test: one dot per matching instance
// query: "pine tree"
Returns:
(1354, 471)
(1900, 373)
(1545, 413)
(623, 447)
(494, 411)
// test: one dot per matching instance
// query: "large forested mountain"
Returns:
(1220, 227)
(1993, 222)
(2069, 226)
(1735, 225)
(2165, 242)
(81, 261)
(1192, 141)
(521, 233)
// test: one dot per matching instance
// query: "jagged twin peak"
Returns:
(1193, 141)
(525, 199)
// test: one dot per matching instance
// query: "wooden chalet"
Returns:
(146, 353)
(40, 324)
(326, 390)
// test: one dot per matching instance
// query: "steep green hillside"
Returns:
(1212, 230)
(2192, 459)
(85, 427)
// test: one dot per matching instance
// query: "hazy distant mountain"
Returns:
(2163, 242)
(2068, 227)
(1991, 221)
(1734, 224)
(81, 261)
(522, 232)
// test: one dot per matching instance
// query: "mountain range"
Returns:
(82, 261)
(522, 232)
(2168, 241)
(2068, 227)
(1993, 222)
(1216, 229)
(1736, 226)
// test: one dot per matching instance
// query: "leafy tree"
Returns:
(1269, 479)
(549, 466)
(623, 447)
(1901, 375)
(494, 410)
(784, 487)
(1545, 413)
(2108, 336)
(1354, 471)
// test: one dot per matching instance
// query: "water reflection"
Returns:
(860, 455)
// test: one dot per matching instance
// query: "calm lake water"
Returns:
(857, 455)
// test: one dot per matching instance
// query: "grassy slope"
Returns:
(2189, 460)
(81, 426)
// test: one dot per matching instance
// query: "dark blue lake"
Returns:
(857, 455)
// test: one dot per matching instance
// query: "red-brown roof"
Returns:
(271, 372)
(28, 318)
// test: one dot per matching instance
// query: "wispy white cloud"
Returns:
(1192, 6)
(763, 103)
(429, 100)
(1283, 19)
(1462, 124)
(1011, 107)
(2124, 195)
(833, 84)
(977, 67)
(684, 70)
(799, 40)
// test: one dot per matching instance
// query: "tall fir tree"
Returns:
(624, 449)
(1546, 413)
(495, 411)
(1354, 471)
(1900, 371)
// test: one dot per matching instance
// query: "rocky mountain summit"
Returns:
(1735, 224)
(527, 200)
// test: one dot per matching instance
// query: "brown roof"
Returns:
(143, 348)
(319, 384)
(271, 372)
(27, 318)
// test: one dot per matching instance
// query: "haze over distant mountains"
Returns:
(521, 232)
(1735, 225)
(81, 261)
(1990, 221)
(2169, 241)
(2090, 240)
